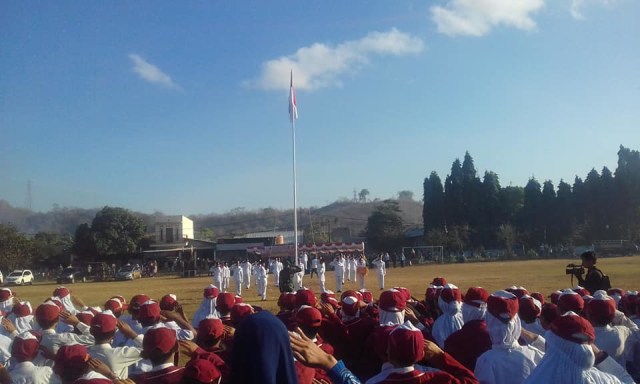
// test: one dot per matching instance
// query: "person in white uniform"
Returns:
(361, 271)
(216, 272)
(246, 274)
(238, 277)
(278, 268)
(261, 278)
(338, 265)
(321, 276)
(381, 271)
(24, 350)
(349, 269)
(226, 277)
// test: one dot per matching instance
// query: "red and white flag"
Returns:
(293, 107)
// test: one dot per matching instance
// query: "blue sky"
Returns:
(183, 108)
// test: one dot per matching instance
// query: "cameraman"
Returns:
(594, 279)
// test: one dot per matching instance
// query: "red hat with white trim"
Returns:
(350, 305)
(5, 294)
(538, 296)
(476, 296)
(530, 308)
(211, 292)
(149, 312)
(405, 291)
(168, 302)
(392, 301)
(47, 312)
(22, 309)
(104, 323)
(601, 309)
(309, 316)
(520, 291)
(24, 347)
(581, 291)
(367, 296)
(85, 317)
(503, 305)
(570, 301)
(439, 281)
(137, 301)
(114, 305)
(406, 344)
(450, 293)
(555, 296)
(61, 292)
(574, 328)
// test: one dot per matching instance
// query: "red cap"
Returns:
(581, 291)
(520, 291)
(240, 311)
(137, 301)
(476, 296)
(103, 323)
(114, 305)
(349, 293)
(149, 311)
(168, 302)
(367, 296)
(538, 296)
(239, 299)
(225, 302)
(5, 294)
(158, 341)
(574, 328)
(406, 344)
(405, 292)
(287, 300)
(24, 347)
(21, 309)
(305, 297)
(601, 309)
(350, 305)
(201, 371)
(450, 293)
(629, 303)
(85, 317)
(326, 295)
(530, 308)
(209, 329)
(61, 292)
(433, 292)
(549, 312)
(439, 281)
(211, 292)
(308, 316)
(570, 301)
(71, 361)
(392, 301)
(503, 305)
(615, 291)
(47, 312)
(555, 296)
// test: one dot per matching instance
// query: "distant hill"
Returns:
(345, 218)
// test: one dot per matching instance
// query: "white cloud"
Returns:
(478, 17)
(320, 65)
(578, 5)
(150, 73)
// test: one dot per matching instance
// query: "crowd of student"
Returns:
(510, 336)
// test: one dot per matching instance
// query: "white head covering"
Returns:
(207, 309)
(7, 305)
(450, 321)
(470, 312)
(23, 323)
(390, 318)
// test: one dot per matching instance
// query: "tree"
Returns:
(384, 228)
(15, 248)
(207, 234)
(51, 248)
(433, 209)
(405, 195)
(362, 196)
(116, 232)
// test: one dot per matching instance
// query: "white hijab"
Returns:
(390, 318)
(207, 309)
(449, 322)
(504, 335)
(470, 312)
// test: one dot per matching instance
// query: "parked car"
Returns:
(19, 277)
(71, 275)
(129, 272)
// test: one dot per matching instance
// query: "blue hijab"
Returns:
(261, 352)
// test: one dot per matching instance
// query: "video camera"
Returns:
(574, 269)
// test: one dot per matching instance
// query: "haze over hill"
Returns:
(344, 219)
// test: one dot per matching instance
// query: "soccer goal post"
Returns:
(424, 254)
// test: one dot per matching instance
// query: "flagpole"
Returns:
(295, 193)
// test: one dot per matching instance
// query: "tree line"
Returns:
(469, 212)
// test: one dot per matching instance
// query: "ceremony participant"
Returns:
(305, 263)
(23, 352)
(314, 266)
(278, 267)
(321, 274)
(238, 277)
(569, 357)
(118, 359)
(450, 321)
(216, 272)
(467, 344)
(350, 272)
(262, 281)
(159, 346)
(207, 306)
(47, 315)
(261, 342)
(74, 365)
(380, 271)
(22, 316)
(297, 279)
(361, 272)
(6, 300)
(226, 277)
(529, 313)
(246, 273)
(338, 266)
(506, 362)
(224, 302)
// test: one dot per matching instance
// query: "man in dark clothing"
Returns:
(594, 279)
(285, 282)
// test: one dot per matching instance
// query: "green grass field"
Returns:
(536, 275)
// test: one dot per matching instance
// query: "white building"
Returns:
(173, 229)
